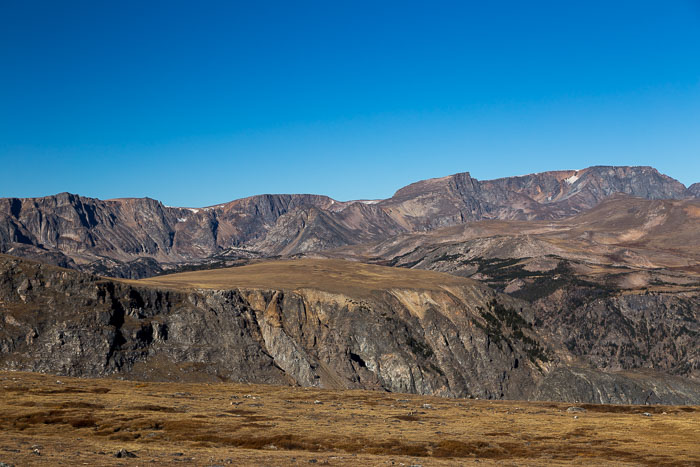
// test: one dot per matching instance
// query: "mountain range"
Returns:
(580, 285)
(140, 237)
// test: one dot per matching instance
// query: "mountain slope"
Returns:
(142, 237)
(618, 285)
(311, 229)
(458, 198)
(93, 233)
(621, 230)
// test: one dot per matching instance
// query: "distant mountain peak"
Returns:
(95, 234)
(695, 189)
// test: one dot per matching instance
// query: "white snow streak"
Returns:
(572, 179)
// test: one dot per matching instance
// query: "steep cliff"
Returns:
(406, 331)
(429, 341)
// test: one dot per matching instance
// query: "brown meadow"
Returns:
(50, 420)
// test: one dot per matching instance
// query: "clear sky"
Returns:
(200, 102)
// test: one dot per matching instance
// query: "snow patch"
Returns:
(571, 180)
(369, 201)
(193, 210)
(216, 206)
(181, 219)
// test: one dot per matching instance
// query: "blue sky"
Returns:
(197, 103)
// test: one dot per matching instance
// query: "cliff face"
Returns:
(458, 340)
(577, 384)
(107, 236)
(634, 330)
(113, 237)
(616, 286)
(612, 318)
(425, 342)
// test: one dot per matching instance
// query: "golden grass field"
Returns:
(330, 275)
(50, 420)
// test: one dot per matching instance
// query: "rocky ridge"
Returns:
(142, 237)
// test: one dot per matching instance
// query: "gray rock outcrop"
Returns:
(464, 341)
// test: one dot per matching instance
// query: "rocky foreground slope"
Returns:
(137, 238)
(331, 324)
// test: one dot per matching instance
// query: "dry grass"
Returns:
(205, 424)
(330, 275)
